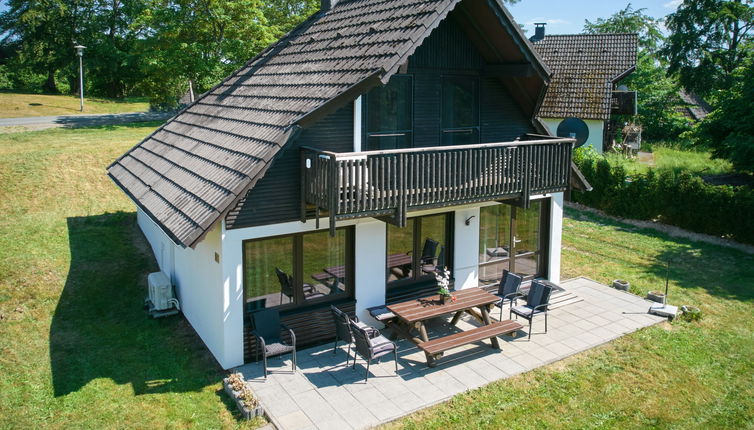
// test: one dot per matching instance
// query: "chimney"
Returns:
(326, 5)
(539, 31)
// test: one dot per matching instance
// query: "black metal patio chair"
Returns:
(536, 303)
(343, 329)
(509, 289)
(371, 348)
(267, 331)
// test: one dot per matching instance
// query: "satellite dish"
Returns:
(575, 129)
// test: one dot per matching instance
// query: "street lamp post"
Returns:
(80, 52)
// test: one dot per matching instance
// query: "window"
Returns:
(389, 114)
(299, 269)
(511, 238)
(413, 252)
(460, 110)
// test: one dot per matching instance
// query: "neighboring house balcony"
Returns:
(387, 184)
(623, 102)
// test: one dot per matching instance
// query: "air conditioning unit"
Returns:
(161, 301)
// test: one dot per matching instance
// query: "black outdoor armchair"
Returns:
(343, 329)
(508, 289)
(536, 303)
(267, 331)
(372, 345)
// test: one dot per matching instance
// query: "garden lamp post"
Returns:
(80, 52)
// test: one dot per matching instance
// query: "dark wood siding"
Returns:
(449, 52)
(500, 118)
(276, 197)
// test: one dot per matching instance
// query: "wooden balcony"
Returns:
(623, 103)
(387, 184)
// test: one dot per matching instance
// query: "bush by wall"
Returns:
(682, 200)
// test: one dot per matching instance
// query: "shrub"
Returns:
(682, 199)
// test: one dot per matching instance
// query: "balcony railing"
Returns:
(389, 183)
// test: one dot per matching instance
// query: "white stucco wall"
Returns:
(466, 248)
(162, 246)
(370, 254)
(596, 130)
(197, 278)
(556, 234)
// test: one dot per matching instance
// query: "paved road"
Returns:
(38, 122)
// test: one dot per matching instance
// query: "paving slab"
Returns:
(324, 393)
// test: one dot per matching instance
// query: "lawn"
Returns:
(680, 375)
(670, 157)
(14, 105)
(77, 350)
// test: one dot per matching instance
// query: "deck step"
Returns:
(455, 340)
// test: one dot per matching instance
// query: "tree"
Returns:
(709, 39)
(42, 32)
(657, 93)
(729, 129)
(204, 40)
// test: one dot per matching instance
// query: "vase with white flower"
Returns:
(443, 282)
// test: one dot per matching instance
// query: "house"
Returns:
(583, 96)
(374, 142)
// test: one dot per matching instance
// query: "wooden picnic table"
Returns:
(411, 315)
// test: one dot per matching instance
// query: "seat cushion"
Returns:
(381, 345)
(277, 348)
(525, 311)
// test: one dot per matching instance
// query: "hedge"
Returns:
(683, 200)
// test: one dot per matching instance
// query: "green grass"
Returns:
(681, 375)
(667, 157)
(14, 105)
(76, 348)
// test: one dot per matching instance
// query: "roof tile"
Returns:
(584, 68)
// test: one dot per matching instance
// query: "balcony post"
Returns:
(334, 191)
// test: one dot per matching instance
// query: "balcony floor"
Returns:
(323, 393)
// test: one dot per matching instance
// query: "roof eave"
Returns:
(521, 40)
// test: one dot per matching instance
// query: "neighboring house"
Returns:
(377, 140)
(586, 70)
(692, 106)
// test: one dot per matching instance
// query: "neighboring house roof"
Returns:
(694, 107)
(194, 169)
(584, 67)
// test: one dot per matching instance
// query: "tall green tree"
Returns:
(657, 93)
(204, 40)
(43, 32)
(729, 129)
(708, 40)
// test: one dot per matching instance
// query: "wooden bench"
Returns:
(440, 345)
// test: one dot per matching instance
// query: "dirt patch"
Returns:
(668, 229)
(646, 158)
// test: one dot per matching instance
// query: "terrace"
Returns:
(325, 393)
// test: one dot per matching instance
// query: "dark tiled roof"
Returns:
(694, 107)
(584, 68)
(190, 172)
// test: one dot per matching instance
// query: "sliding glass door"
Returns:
(513, 239)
